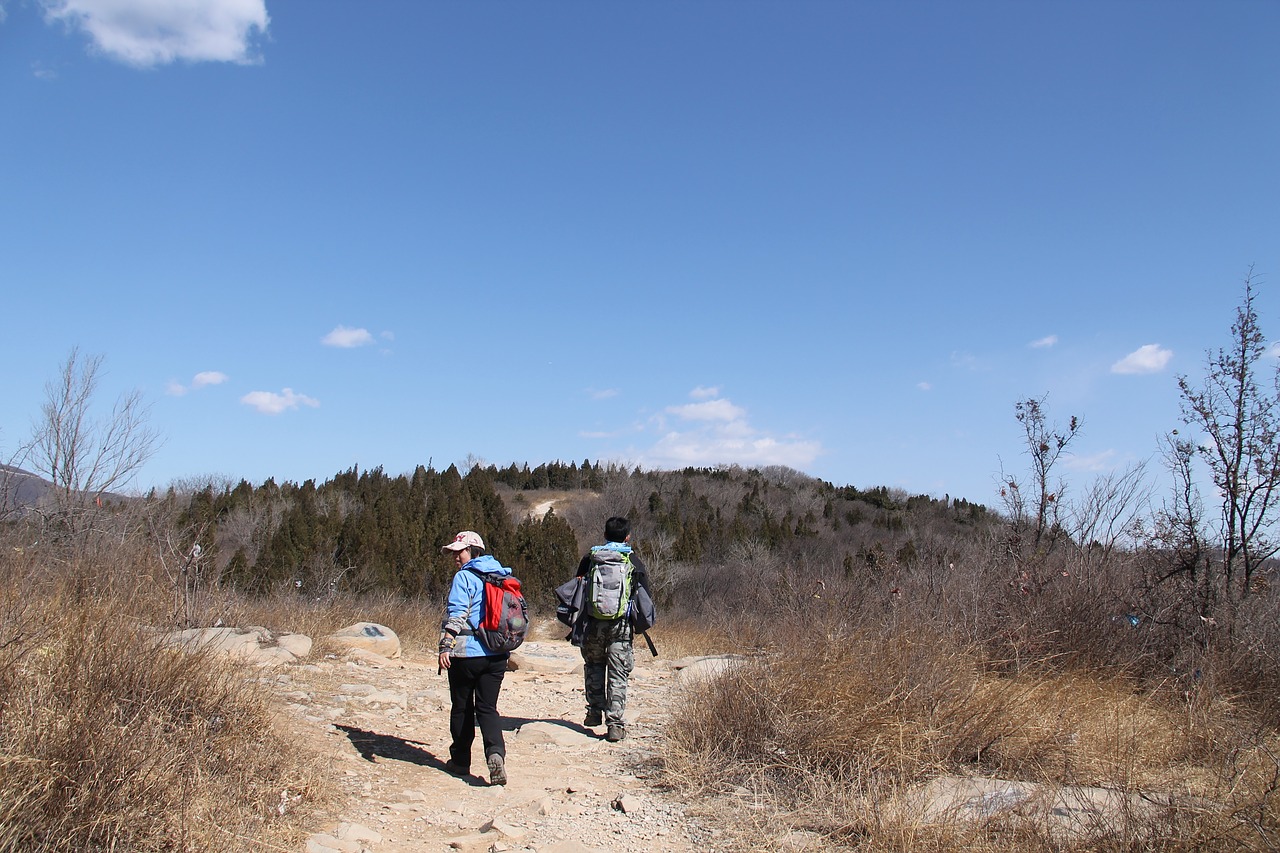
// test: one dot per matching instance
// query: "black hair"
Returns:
(476, 551)
(617, 529)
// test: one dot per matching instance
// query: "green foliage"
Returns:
(365, 531)
(359, 531)
(546, 552)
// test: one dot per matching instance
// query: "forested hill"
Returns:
(367, 530)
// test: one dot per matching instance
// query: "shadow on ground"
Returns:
(510, 724)
(373, 745)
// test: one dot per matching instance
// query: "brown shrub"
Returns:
(113, 742)
(828, 731)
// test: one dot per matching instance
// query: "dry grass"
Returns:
(110, 742)
(684, 638)
(829, 734)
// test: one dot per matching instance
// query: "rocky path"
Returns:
(385, 728)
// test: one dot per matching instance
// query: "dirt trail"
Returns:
(386, 731)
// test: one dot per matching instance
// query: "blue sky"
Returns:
(842, 237)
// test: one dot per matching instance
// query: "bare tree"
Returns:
(1178, 536)
(1110, 509)
(83, 456)
(1239, 412)
(1036, 506)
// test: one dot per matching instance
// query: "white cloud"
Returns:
(271, 403)
(712, 410)
(347, 338)
(966, 361)
(208, 377)
(702, 392)
(602, 393)
(1104, 460)
(1150, 358)
(925, 386)
(1044, 343)
(717, 432)
(703, 449)
(144, 33)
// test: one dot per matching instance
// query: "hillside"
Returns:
(20, 490)
(366, 530)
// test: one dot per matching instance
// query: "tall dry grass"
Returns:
(110, 741)
(830, 730)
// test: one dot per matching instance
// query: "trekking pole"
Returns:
(649, 640)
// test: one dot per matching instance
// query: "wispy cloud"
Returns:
(347, 338)
(715, 432)
(208, 377)
(966, 361)
(271, 403)
(145, 33)
(711, 410)
(925, 386)
(200, 380)
(602, 393)
(1104, 460)
(1044, 343)
(1150, 358)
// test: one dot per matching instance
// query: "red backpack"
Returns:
(504, 616)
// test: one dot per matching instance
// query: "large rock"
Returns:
(707, 668)
(298, 645)
(252, 646)
(368, 636)
(1067, 813)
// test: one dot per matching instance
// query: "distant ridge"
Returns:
(20, 490)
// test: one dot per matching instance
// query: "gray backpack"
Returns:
(608, 584)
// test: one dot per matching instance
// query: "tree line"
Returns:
(363, 531)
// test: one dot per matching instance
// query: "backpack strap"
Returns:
(487, 577)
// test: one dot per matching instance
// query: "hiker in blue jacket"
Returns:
(608, 655)
(475, 673)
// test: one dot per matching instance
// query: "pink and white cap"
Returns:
(465, 539)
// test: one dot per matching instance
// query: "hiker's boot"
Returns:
(497, 770)
(616, 732)
(594, 718)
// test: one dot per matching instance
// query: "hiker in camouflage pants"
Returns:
(607, 660)
(607, 652)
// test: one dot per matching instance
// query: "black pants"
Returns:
(473, 688)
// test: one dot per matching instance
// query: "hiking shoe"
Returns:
(615, 733)
(594, 718)
(497, 770)
(456, 769)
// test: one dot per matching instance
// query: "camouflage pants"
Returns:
(607, 661)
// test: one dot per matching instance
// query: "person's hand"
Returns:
(444, 660)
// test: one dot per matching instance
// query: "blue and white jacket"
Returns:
(462, 611)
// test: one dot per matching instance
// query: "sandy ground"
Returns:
(384, 730)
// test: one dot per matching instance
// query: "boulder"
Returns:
(298, 645)
(708, 668)
(241, 645)
(368, 636)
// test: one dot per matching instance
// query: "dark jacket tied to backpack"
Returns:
(575, 600)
